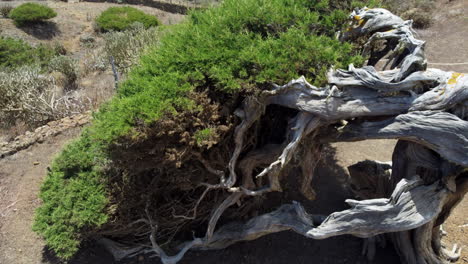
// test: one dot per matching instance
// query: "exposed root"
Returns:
(256, 158)
(302, 125)
(452, 255)
(250, 113)
(440, 131)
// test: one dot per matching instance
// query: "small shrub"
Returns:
(66, 65)
(30, 96)
(5, 10)
(16, 53)
(59, 49)
(27, 95)
(88, 40)
(127, 46)
(94, 60)
(31, 13)
(121, 18)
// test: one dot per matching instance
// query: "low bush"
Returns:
(66, 65)
(5, 10)
(93, 60)
(31, 13)
(121, 18)
(125, 47)
(138, 159)
(73, 199)
(16, 53)
(31, 97)
(26, 94)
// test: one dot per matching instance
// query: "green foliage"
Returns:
(240, 47)
(121, 18)
(31, 13)
(369, 4)
(16, 52)
(5, 10)
(74, 197)
(203, 135)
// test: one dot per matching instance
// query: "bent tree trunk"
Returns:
(404, 201)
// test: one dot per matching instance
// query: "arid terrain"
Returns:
(21, 174)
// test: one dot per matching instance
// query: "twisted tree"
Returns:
(404, 201)
(167, 159)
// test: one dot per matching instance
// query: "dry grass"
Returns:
(31, 97)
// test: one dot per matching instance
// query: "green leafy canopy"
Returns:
(31, 13)
(15, 53)
(239, 47)
(122, 18)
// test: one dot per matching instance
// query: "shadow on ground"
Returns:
(284, 247)
(43, 30)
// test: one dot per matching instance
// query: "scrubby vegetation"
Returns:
(16, 52)
(5, 10)
(126, 46)
(31, 13)
(31, 91)
(25, 96)
(30, 96)
(122, 18)
(66, 65)
(145, 147)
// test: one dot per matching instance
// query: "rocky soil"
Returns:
(41, 134)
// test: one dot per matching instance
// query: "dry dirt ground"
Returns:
(22, 174)
(20, 179)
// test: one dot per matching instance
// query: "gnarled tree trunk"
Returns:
(404, 201)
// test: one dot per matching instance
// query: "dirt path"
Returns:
(20, 178)
(447, 39)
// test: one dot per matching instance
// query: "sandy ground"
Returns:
(446, 40)
(22, 173)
